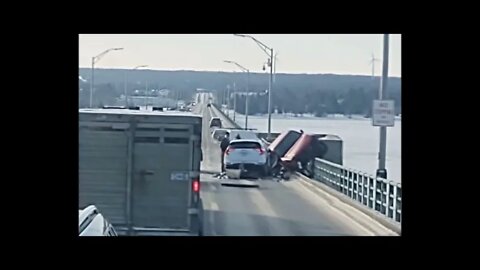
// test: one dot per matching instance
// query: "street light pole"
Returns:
(125, 87)
(246, 98)
(94, 60)
(146, 94)
(382, 171)
(176, 99)
(265, 48)
(270, 96)
(224, 99)
(125, 79)
(91, 82)
(228, 100)
(234, 101)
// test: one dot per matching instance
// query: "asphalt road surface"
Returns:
(286, 208)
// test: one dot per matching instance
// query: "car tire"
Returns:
(265, 171)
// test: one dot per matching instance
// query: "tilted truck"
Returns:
(141, 170)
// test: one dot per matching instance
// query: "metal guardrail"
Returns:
(379, 194)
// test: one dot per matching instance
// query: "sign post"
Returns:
(383, 113)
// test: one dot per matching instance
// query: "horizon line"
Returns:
(221, 71)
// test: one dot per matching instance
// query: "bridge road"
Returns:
(289, 208)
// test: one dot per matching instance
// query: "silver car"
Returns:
(246, 158)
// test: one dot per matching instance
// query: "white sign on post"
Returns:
(383, 113)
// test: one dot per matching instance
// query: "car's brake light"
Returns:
(261, 151)
(196, 185)
(229, 149)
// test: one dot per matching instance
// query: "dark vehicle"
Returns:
(216, 122)
(209, 105)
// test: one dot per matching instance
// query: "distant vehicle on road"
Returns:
(219, 133)
(92, 223)
(215, 122)
(247, 156)
(209, 105)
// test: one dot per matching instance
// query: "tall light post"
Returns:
(95, 59)
(381, 171)
(248, 91)
(234, 101)
(146, 94)
(224, 99)
(125, 82)
(228, 100)
(269, 52)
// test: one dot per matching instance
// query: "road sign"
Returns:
(383, 113)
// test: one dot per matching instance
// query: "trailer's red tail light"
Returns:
(196, 185)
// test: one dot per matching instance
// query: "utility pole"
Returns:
(382, 171)
(234, 101)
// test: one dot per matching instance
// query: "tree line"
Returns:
(318, 94)
(314, 101)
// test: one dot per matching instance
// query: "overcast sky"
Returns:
(306, 53)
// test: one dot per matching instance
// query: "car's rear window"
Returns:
(220, 133)
(243, 135)
(245, 145)
(216, 122)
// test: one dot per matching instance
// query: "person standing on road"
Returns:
(223, 146)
